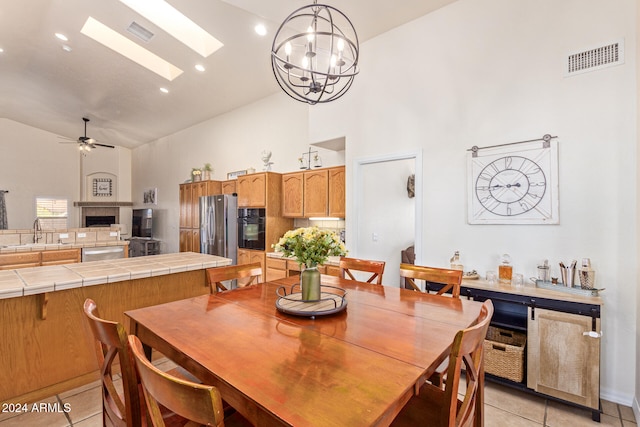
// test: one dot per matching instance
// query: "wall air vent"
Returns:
(140, 32)
(595, 59)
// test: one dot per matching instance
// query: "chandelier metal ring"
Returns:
(314, 54)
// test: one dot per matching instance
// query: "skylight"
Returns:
(175, 23)
(129, 49)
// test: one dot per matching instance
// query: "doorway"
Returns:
(386, 219)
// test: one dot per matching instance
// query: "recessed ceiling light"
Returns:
(164, 90)
(62, 37)
(175, 23)
(129, 49)
(199, 67)
(66, 48)
(260, 29)
(1, 50)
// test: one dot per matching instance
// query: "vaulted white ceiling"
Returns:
(44, 86)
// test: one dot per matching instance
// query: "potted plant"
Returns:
(196, 174)
(207, 169)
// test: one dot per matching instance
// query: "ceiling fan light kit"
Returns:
(314, 55)
(86, 144)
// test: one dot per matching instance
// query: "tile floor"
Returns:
(504, 407)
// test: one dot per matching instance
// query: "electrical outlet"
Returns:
(64, 235)
(113, 234)
(374, 237)
(81, 235)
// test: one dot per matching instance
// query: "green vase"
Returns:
(310, 284)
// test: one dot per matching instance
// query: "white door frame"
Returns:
(358, 163)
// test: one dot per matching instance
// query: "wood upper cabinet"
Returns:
(319, 192)
(229, 187)
(561, 360)
(337, 194)
(316, 193)
(252, 190)
(293, 195)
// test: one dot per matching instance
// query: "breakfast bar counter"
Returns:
(47, 344)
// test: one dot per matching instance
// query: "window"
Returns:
(52, 213)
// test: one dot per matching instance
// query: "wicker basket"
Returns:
(504, 353)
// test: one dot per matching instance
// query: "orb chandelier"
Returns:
(314, 55)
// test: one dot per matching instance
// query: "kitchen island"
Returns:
(47, 344)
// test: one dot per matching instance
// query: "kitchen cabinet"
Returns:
(563, 339)
(337, 193)
(252, 190)
(562, 361)
(248, 256)
(229, 187)
(14, 261)
(293, 195)
(314, 193)
(278, 268)
(190, 194)
(62, 256)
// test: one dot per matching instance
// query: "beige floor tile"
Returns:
(39, 416)
(94, 421)
(626, 423)
(515, 401)
(609, 408)
(496, 417)
(90, 386)
(627, 413)
(562, 415)
(84, 405)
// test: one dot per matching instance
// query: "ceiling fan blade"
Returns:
(103, 145)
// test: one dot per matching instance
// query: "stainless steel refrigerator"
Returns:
(218, 226)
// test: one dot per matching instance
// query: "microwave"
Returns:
(251, 228)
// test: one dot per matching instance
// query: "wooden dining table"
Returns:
(356, 367)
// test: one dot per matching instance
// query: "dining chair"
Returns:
(217, 275)
(439, 407)
(347, 265)
(192, 401)
(111, 343)
(451, 279)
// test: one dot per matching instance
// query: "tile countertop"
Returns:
(333, 260)
(37, 280)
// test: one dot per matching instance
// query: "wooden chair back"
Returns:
(199, 403)
(347, 265)
(442, 407)
(111, 344)
(451, 279)
(217, 275)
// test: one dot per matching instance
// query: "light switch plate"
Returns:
(81, 235)
(64, 235)
(113, 234)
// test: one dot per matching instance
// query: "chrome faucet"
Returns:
(37, 231)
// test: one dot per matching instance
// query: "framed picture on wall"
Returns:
(150, 196)
(102, 187)
(514, 184)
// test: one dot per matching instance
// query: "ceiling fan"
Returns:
(87, 144)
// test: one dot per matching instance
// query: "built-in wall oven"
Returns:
(251, 228)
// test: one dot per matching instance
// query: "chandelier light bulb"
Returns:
(340, 45)
(310, 34)
(287, 49)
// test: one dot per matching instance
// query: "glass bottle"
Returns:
(505, 270)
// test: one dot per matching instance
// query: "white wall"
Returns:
(34, 164)
(483, 72)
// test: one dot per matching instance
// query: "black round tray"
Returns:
(332, 300)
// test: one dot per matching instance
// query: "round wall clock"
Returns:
(514, 184)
